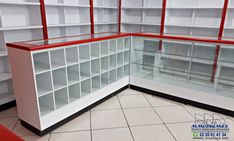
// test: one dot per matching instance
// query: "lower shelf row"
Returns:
(59, 98)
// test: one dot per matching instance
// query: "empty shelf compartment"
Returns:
(85, 70)
(95, 67)
(120, 72)
(120, 44)
(127, 43)
(104, 48)
(61, 98)
(201, 51)
(57, 58)
(59, 78)
(120, 59)
(201, 71)
(96, 83)
(113, 61)
(72, 55)
(126, 70)
(112, 46)
(95, 52)
(73, 74)
(44, 83)
(126, 57)
(41, 62)
(85, 87)
(104, 64)
(46, 104)
(84, 53)
(104, 79)
(113, 76)
(74, 92)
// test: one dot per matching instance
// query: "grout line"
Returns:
(125, 118)
(69, 131)
(15, 125)
(160, 118)
(49, 136)
(91, 130)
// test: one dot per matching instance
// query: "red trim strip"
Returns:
(91, 16)
(164, 4)
(220, 35)
(43, 19)
(120, 12)
(31, 47)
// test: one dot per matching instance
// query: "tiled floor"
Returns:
(129, 116)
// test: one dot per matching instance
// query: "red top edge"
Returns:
(31, 47)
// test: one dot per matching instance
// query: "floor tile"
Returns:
(9, 123)
(117, 134)
(200, 113)
(130, 92)
(182, 131)
(22, 131)
(156, 101)
(230, 124)
(82, 122)
(142, 116)
(12, 112)
(36, 138)
(71, 136)
(112, 103)
(151, 133)
(133, 101)
(173, 114)
(107, 119)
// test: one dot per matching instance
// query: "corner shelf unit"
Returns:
(68, 77)
(27, 27)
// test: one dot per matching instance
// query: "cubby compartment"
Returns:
(95, 52)
(226, 55)
(120, 72)
(73, 74)
(96, 83)
(85, 70)
(59, 78)
(104, 48)
(104, 64)
(74, 92)
(112, 46)
(46, 104)
(126, 70)
(61, 98)
(95, 67)
(203, 51)
(57, 58)
(177, 48)
(126, 57)
(41, 62)
(104, 79)
(72, 55)
(44, 84)
(226, 75)
(127, 43)
(113, 61)
(113, 76)
(84, 53)
(120, 59)
(85, 87)
(120, 44)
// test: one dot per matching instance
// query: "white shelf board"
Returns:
(20, 27)
(6, 97)
(192, 8)
(3, 53)
(156, 24)
(142, 8)
(191, 26)
(227, 64)
(105, 23)
(5, 76)
(68, 5)
(202, 61)
(65, 25)
(105, 7)
(19, 3)
(180, 58)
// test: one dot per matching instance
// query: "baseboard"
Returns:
(7, 105)
(46, 131)
(185, 101)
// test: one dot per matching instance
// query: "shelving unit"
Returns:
(141, 16)
(67, 18)
(106, 15)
